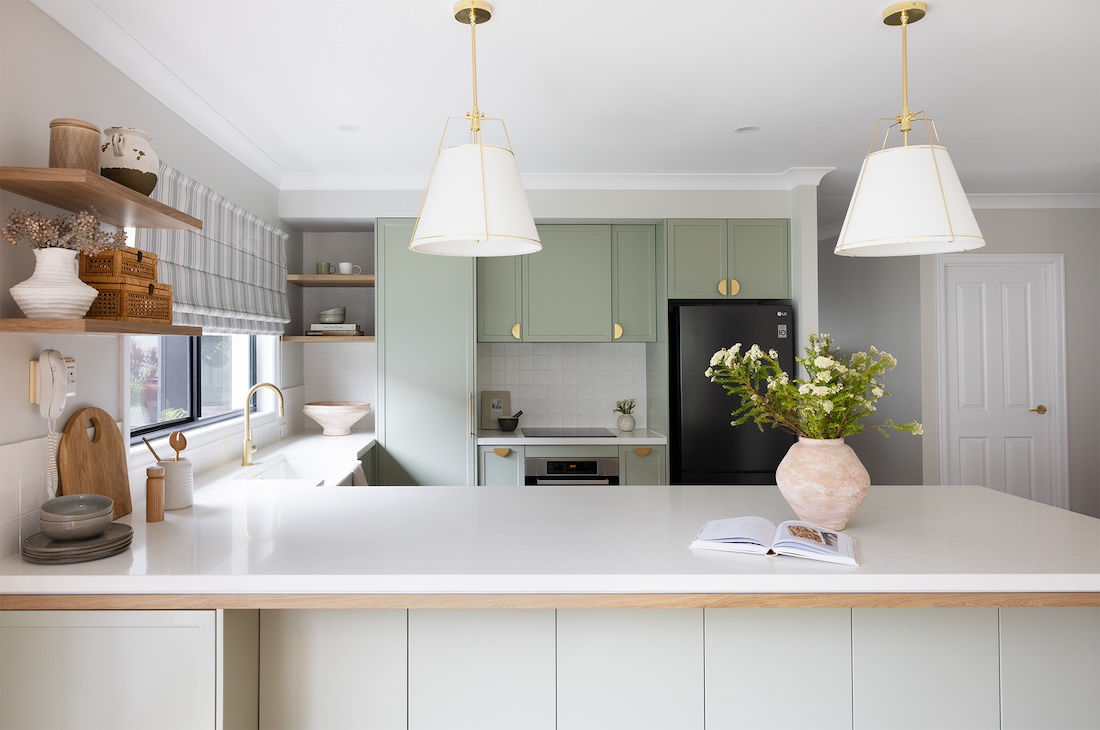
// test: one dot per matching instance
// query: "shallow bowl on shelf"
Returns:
(330, 318)
(336, 416)
(335, 310)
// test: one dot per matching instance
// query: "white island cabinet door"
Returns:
(107, 669)
(481, 670)
(925, 668)
(333, 669)
(630, 668)
(778, 668)
(1050, 667)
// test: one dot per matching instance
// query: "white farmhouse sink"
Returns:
(304, 470)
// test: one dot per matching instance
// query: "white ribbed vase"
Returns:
(823, 480)
(54, 290)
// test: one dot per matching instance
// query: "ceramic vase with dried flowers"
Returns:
(820, 477)
(626, 420)
(55, 290)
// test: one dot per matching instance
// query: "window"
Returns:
(176, 382)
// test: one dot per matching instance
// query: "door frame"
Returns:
(1054, 266)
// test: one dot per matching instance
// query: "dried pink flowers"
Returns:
(80, 232)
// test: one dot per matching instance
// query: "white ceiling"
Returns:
(627, 93)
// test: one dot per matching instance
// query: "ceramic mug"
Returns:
(346, 267)
(324, 268)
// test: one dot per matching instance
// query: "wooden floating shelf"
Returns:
(79, 189)
(95, 327)
(330, 279)
(326, 338)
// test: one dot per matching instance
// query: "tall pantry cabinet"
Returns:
(426, 371)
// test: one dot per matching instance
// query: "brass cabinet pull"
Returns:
(515, 330)
(735, 286)
(722, 287)
(502, 451)
(1040, 410)
(642, 450)
(618, 331)
(470, 417)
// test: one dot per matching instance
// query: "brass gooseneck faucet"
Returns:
(247, 448)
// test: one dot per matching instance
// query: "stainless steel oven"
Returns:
(589, 471)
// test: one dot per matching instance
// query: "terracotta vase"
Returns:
(54, 290)
(823, 480)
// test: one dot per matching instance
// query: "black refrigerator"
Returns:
(704, 447)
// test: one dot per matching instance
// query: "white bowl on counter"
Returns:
(336, 417)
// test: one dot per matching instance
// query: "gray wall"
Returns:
(45, 73)
(874, 301)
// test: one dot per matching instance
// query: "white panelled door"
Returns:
(1002, 349)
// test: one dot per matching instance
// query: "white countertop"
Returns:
(515, 439)
(271, 538)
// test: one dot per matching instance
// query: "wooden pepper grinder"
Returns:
(154, 494)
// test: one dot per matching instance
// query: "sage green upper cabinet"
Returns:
(567, 286)
(590, 283)
(735, 259)
(499, 306)
(426, 375)
(634, 283)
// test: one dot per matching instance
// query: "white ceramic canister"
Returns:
(127, 158)
(179, 484)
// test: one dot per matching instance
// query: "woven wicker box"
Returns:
(151, 303)
(124, 266)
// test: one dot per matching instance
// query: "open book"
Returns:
(758, 535)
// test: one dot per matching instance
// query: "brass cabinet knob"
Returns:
(502, 451)
(515, 330)
(722, 287)
(618, 331)
(1040, 410)
(642, 450)
(735, 286)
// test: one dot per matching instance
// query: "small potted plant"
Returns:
(626, 408)
(55, 290)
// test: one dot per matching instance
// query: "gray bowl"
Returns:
(76, 507)
(508, 424)
(75, 529)
(330, 318)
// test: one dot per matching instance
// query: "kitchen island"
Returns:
(986, 606)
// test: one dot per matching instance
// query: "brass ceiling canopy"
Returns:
(482, 11)
(914, 10)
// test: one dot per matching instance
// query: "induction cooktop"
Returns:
(566, 432)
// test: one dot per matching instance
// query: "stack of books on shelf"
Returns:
(338, 330)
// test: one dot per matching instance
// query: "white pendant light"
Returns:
(475, 204)
(908, 200)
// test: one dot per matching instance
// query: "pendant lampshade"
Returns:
(475, 204)
(908, 200)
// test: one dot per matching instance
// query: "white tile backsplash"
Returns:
(565, 384)
(347, 372)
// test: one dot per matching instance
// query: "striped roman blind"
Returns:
(228, 279)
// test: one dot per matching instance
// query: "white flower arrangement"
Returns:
(830, 403)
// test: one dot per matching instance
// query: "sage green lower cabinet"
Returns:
(481, 670)
(922, 668)
(496, 470)
(567, 286)
(734, 259)
(778, 668)
(1050, 667)
(630, 668)
(333, 669)
(128, 669)
(426, 375)
(642, 465)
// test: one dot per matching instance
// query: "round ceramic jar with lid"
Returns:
(127, 158)
(74, 144)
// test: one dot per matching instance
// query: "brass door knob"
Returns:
(618, 331)
(735, 287)
(515, 330)
(1040, 410)
(722, 287)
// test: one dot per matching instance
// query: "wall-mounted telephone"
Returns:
(53, 381)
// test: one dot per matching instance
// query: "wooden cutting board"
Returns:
(95, 465)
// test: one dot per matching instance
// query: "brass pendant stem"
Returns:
(906, 117)
(474, 116)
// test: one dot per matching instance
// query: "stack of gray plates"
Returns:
(40, 549)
